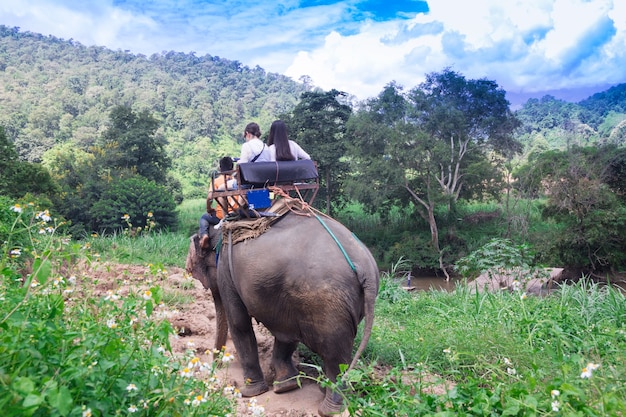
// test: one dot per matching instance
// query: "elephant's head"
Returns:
(201, 265)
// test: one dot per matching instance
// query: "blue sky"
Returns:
(527, 46)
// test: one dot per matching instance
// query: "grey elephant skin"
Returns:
(308, 279)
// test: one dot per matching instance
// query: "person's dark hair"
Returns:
(254, 129)
(278, 137)
(226, 164)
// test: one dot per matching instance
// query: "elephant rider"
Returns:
(213, 215)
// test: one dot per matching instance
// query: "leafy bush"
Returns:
(65, 351)
(135, 200)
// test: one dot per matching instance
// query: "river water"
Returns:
(427, 283)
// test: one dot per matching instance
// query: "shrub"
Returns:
(133, 200)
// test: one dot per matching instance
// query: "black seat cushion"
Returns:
(262, 174)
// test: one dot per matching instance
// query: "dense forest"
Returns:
(442, 167)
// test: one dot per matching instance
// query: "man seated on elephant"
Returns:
(213, 215)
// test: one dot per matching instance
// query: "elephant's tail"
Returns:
(369, 282)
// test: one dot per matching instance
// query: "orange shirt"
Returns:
(220, 184)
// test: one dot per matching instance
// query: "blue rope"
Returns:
(345, 254)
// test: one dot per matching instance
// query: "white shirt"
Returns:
(252, 148)
(296, 151)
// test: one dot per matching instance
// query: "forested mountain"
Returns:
(55, 91)
(550, 123)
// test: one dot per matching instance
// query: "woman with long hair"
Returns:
(281, 147)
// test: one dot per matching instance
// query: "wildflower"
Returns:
(447, 351)
(72, 279)
(15, 253)
(254, 408)
(49, 229)
(42, 231)
(511, 371)
(198, 400)
(204, 367)
(87, 412)
(44, 216)
(555, 393)
(194, 362)
(125, 217)
(523, 296)
(555, 406)
(161, 349)
(507, 362)
(94, 234)
(147, 295)
(516, 285)
(185, 373)
(17, 208)
(227, 357)
(111, 324)
(588, 370)
(111, 296)
(190, 344)
(150, 215)
(132, 409)
(131, 387)
(34, 284)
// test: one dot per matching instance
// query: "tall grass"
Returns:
(506, 353)
(165, 248)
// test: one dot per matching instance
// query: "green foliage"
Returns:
(132, 143)
(318, 124)
(133, 199)
(478, 354)
(68, 351)
(201, 103)
(17, 177)
(497, 256)
(582, 187)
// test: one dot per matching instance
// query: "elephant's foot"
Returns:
(252, 389)
(331, 406)
(287, 385)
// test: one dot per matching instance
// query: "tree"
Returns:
(18, 178)
(583, 199)
(318, 124)
(431, 143)
(133, 143)
(463, 117)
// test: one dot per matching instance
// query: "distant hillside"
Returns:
(553, 123)
(54, 91)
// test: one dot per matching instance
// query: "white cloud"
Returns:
(528, 45)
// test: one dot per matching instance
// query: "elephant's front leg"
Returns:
(240, 326)
(284, 367)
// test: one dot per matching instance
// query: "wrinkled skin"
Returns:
(297, 282)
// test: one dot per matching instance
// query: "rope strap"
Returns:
(345, 254)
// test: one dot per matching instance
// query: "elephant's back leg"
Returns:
(283, 366)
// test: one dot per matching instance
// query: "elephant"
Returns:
(308, 280)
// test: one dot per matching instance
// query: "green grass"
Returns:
(504, 352)
(159, 248)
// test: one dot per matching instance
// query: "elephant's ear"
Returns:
(194, 241)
